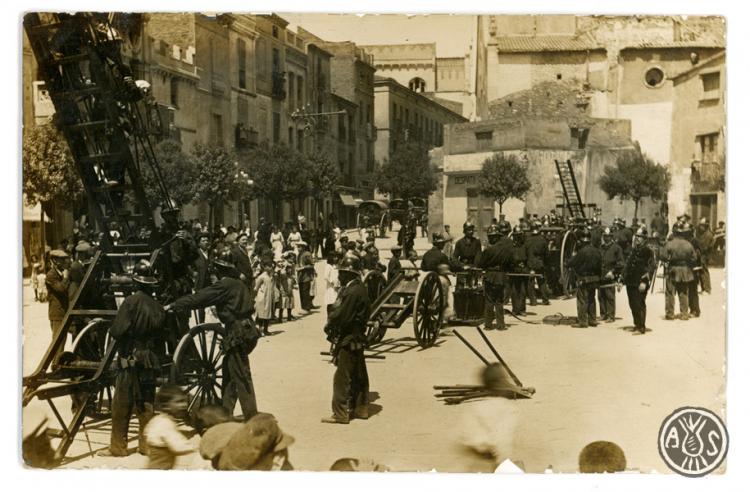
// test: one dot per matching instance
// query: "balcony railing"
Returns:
(245, 138)
(708, 176)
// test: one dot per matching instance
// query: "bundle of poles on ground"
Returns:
(455, 394)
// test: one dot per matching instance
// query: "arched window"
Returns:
(416, 84)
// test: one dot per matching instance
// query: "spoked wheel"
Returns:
(567, 248)
(376, 331)
(197, 365)
(89, 348)
(428, 310)
(375, 282)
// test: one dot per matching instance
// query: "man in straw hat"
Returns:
(137, 325)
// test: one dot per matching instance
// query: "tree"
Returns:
(324, 177)
(49, 171)
(503, 177)
(279, 173)
(215, 179)
(635, 176)
(407, 172)
(178, 171)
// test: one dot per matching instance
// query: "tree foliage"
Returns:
(215, 179)
(279, 173)
(503, 177)
(178, 170)
(324, 176)
(408, 172)
(635, 176)
(49, 172)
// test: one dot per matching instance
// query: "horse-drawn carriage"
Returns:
(373, 215)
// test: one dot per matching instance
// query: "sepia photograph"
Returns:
(467, 243)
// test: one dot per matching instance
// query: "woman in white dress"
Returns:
(277, 243)
(294, 238)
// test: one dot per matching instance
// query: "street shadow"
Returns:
(394, 346)
(273, 333)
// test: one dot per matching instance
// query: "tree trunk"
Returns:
(637, 202)
(211, 221)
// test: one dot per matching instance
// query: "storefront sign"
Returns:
(465, 180)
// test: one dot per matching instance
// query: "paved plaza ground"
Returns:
(601, 383)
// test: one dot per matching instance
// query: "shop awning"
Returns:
(348, 200)
(34, 214)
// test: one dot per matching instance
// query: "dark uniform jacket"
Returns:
(639, 266)
(520, 258)
(596, 236)
(536, 251)
(201, 271)
(497, 260)
(612, 259)
(394, 266)
(467, 250)
(587, 263)
(349, 318)
(57, 290)
(137, 326)
(680, 257)
(435, 257)
(242, 263)
(234, 305)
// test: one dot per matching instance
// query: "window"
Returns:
(290, 136)
(417, 85)
(300, 140)
(709, 145)
(559, 76)
(241, 56)
(300, 95)
(484, 140)
(276, 127)
(578, 137)
(262, 59)
(242, 111)
(654, 77)
(275, 31)
(276, 60)
(173, 86)
(711, 85)
(217, 132)
(291, 92)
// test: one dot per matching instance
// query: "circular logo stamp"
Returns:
(693, 441)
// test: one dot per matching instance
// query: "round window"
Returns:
(654, 77)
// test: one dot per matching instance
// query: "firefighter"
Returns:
(467, 248)
(612, 263)
(234, 308)
(679, 256)
(587, 265)
(346, 329)
(697, 267)
(637, 276)
(519, 267)
(496, 260)
(536, 251)
(138, 327)
(435, 256)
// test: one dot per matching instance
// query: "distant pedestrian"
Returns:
(331, 277)
(264, 297)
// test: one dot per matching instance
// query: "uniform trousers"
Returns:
(518, 294)
(135, 390)
(693, 300)
(637, 301)
(586, 304)
(705, 280)
(493, 305)
(607, 302)
(305, 299)
(541, 282)
(237, 382)
(351, 384)
(681, 290)
(56, 326)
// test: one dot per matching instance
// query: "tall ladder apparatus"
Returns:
(571, 194)
(100, 112)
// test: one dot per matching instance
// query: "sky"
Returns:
(452, 34)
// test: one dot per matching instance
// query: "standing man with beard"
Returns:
(587, 265)
(346, 330)
(637, 276)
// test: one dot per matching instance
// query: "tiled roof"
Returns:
(675, 44)
(524, 44)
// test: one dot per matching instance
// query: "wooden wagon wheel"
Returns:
(376, 331)
(567, 248)
(428, 310)
(90, 346)
(197, 365)
(375, 282)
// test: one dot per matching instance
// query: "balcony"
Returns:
(278, 85)
(707, 176)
